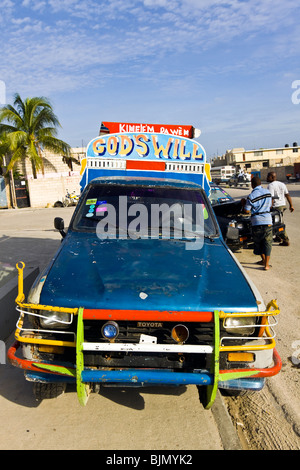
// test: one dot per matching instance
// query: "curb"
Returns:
(227, 431)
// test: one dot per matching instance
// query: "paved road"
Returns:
(135, 419)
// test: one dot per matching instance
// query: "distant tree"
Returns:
(29, 127)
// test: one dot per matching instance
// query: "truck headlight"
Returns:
(110, 330)
(59, 320)
(243, 326)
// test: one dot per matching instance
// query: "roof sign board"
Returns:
(147, 154)
(116, 127)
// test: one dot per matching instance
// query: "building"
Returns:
(262, 160)
(58, 176)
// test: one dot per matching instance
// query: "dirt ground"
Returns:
(270, 419)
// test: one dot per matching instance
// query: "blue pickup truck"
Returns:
(143, 289)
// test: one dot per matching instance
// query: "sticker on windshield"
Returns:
(101, 209)
(91, 209)
(90, 201)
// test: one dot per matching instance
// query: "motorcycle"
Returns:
(70, 199)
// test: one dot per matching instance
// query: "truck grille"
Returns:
(129, 332)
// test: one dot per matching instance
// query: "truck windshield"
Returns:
(143, 211)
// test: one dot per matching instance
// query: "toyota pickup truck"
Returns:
(143, 289)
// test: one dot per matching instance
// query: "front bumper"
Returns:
(214, 378)
(251, 378)
(237, 379)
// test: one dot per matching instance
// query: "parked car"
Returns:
(234, 224)
(240, 180)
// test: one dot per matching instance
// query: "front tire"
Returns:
(44, 391)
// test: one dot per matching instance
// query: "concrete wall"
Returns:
(45, 192)
(54, 165)
(281, 172)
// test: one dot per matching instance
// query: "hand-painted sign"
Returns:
(116, 127)
(147, 145)
(145, 154)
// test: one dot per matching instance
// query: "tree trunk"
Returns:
(12, 189)
(33, 170)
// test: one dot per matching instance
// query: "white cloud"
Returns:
(70, 44)
(19, 21)
(156, 3)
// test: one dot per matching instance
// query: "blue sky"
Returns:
(226, 67)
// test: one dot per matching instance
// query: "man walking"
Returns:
(259, 204)
(280, 194)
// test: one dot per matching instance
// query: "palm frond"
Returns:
(35, 158)
(56, 145)
(18, 155)
(44, 118)
(17, 139)
(11, 115)
(6, 129)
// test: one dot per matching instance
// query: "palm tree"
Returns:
(29, 127)
(4, 151)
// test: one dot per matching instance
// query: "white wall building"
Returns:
(259, 159)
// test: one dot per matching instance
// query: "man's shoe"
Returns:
(285, 243)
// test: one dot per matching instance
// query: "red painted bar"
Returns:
(141, 165)
(270, 372)
(148, 315)
(25, 363)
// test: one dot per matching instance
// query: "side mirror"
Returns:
(60, 226)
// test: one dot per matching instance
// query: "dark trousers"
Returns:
(263, 239)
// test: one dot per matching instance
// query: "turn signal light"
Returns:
(241, 357)
(51, 349)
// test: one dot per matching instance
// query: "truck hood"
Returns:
(145, 274)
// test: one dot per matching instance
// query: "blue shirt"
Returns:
(259, 202)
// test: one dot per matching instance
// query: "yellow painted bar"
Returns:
(20, 269)
(248, 347)
(268, 312)
(50, 308)
(53, 342)
(20, 298)
(23, 339)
